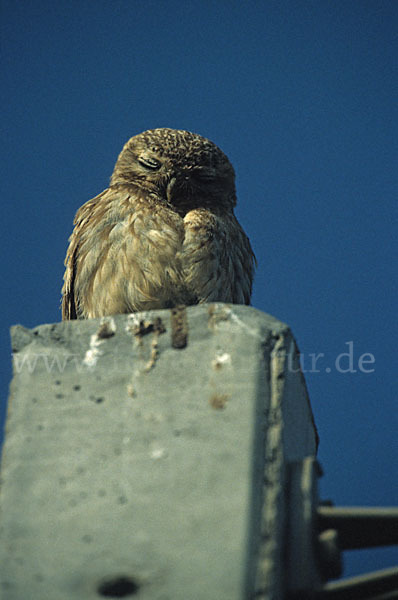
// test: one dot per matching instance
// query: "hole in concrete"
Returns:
(76, 388)
(118, 587)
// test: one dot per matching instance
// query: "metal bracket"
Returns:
(317, 533)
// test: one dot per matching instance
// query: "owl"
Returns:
(162, 234)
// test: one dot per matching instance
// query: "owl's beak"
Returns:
(169, 189)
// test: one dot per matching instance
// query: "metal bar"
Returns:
(379, 585)
(360, 527)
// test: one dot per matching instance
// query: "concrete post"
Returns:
(145, 456)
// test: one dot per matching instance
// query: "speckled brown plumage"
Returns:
(163, 233)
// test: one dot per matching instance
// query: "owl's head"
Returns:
(185, 169)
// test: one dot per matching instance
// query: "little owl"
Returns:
(162, 234)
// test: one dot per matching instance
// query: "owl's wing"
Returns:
(217, 258)
(122, 255)
(82, 218)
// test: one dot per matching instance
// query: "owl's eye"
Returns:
(149, 163)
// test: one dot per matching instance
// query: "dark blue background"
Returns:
(299, 94)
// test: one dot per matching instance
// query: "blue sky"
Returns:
(299, 95)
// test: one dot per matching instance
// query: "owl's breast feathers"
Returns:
(130, 252)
